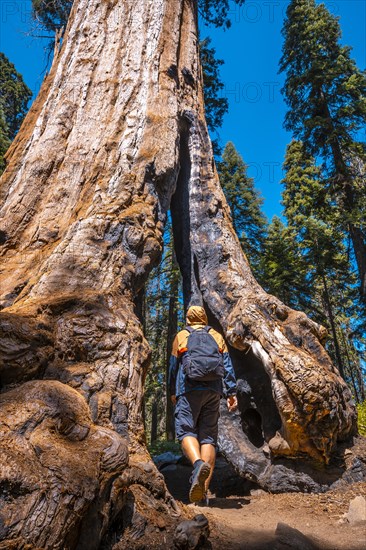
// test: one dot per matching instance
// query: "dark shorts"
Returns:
(197, 415)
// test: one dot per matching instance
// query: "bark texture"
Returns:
(116, 137)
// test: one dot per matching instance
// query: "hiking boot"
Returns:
(199, 475)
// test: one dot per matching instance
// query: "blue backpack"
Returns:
(203, 360)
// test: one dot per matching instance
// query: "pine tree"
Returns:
(304, 189)
(245, 202)
(325, 92)
(14, 94)
(14, 98)
(4, 138)
(283, 270)
(331, 281)
(215, 106)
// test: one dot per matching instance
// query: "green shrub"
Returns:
(162, 446)
(361, 410)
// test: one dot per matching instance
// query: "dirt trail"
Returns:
(249, 519)
(250, 522)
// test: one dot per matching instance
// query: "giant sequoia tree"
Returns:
(116, 137)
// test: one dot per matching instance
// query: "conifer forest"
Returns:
(120, 207)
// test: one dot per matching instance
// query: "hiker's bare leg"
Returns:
(208, 454)
(191, 448)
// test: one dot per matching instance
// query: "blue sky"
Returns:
(251, 49)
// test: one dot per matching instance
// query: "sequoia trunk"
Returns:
(115, 138)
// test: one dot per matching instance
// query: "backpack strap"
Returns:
(183, 350)
(191, 329)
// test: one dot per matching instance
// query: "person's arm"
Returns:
(173, 370)
(229, 380)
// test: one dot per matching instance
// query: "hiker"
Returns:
(200, 372)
